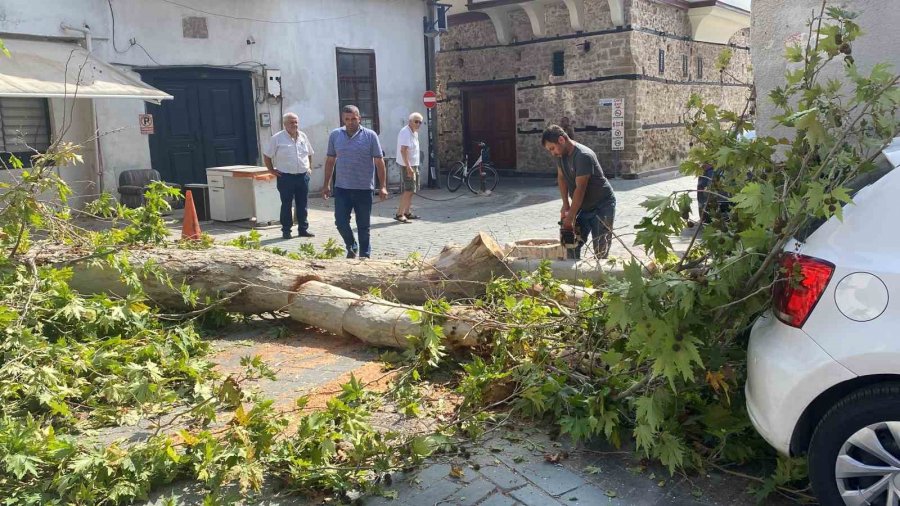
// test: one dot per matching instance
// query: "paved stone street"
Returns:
(526, 208)
(512, 468)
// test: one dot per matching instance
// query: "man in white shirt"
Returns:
(288, 156)
(408, 160)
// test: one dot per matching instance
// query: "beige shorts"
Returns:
(409, 184)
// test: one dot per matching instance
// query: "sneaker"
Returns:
(411, 216)
(351, 254)
(285, 235)
(305, 233)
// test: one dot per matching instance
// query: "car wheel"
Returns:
(854, 454)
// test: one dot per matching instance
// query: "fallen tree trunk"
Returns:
(374, 320)
(329, 294)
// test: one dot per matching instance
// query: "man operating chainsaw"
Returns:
(588, 200)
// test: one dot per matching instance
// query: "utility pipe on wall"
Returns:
(89, 45)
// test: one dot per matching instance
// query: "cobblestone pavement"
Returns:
(514, 468)
(526, 208)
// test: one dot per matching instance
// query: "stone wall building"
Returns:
(506, 69)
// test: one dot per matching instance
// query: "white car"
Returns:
(824, 363)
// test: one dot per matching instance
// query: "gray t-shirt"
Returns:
(583, 162)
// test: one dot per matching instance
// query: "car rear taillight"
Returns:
(801, 281)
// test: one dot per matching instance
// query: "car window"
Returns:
(885, 162)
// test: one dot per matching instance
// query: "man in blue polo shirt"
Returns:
(354, 153)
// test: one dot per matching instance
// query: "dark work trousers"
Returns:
(703, 183)
(293, 188)
(710, 200)
(360, 203)
(598, 223)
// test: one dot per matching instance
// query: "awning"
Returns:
(60, 70)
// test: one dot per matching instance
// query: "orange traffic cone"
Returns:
(190, 229)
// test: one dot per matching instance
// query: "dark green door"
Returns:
(210, 122)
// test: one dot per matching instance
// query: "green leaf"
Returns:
(670, 450)
(21, 465)
(755, 238)
(812, 127)
(794, 54)
(422, 446)
(652, 409)
(757, 201)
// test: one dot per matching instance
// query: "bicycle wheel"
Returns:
(455, 177)
(484, 180)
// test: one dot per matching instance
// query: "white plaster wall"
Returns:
(121, 142)
(304, 51)
(775, 24)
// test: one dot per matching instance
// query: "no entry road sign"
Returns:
(429, 99)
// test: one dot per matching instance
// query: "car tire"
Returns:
(867, 417)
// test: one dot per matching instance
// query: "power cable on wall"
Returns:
(135, 43)
(112, 14)
(132, 42)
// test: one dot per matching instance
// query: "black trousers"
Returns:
(293, 189)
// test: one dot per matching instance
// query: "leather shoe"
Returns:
(285, 235)
(305, 233)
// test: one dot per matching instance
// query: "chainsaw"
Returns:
(570, 238)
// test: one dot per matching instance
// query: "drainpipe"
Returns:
(434, 170)
(86, 31)
(89, 45)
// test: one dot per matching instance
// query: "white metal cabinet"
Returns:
(242, 192)
(229, 198)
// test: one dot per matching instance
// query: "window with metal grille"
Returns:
(357, 84)
(699, 68)
(24, 128)
(684, 65)
(559, 63)
(662, 61)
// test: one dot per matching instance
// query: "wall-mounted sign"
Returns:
(146, 123)
(429, 99)
(618, 124)
(618, 108)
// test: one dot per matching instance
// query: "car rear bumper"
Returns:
(786, 371)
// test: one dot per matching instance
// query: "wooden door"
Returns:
(489, 116)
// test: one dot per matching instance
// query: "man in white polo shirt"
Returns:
(408, 160)
(288, 156)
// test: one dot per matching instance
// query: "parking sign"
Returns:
(146, 123)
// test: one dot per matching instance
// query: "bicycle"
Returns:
(484, 174)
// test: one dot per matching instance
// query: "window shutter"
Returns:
(24, 127)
